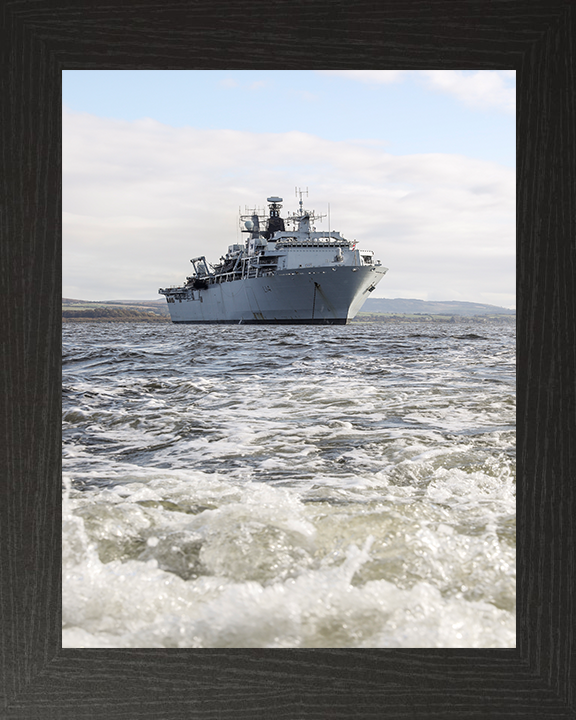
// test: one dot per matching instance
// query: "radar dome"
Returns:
(248, 224)
(274, 199)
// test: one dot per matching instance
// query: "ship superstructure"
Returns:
(285, 272)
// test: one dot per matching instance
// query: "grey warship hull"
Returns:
(321, 296)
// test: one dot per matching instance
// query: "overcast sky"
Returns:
(418, 166)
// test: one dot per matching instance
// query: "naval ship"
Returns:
(286, 272)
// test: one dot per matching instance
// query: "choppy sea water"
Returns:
(283, 487)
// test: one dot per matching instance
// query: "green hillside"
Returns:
(401, 306)
(373, 310)
(113, 311)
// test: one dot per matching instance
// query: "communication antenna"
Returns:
(301, 192)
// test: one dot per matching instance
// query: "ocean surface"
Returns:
(289, 487)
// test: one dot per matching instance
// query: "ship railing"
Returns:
(165, 291)
(283, 244)
(228, 276)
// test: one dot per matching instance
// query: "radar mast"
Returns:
(301, 192)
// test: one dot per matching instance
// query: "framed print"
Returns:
(40, 677)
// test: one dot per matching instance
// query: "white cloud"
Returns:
(482, 88)
(141, 198)
(379, 77)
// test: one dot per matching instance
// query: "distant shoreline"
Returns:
(66, 320)
(361, 318)
(374, 310)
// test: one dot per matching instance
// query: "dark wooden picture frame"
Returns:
(40, 39)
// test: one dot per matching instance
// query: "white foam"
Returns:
(270, 583)
(358, 498)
